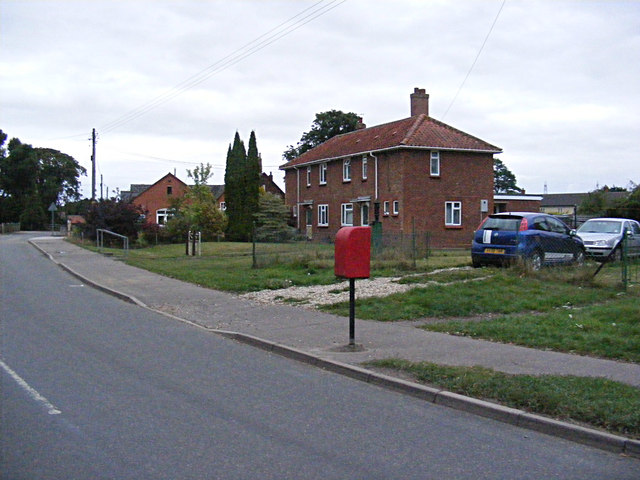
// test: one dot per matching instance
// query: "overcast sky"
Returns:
(166, 85)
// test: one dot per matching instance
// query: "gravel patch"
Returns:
(317, 295)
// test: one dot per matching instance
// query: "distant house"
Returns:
(568, 203)
(516, 203)
(415, 173)
(156, 199)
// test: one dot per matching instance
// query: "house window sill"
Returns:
(453, 227)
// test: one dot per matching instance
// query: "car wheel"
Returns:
(578, 258)
(534, 262)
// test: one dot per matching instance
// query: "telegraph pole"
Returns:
(93, 165)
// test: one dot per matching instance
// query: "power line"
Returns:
(259, 43)
(475, 60)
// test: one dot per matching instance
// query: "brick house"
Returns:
(156, 199)
(508, 202)
(415, 173)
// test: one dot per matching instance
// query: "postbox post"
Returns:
(352, 261)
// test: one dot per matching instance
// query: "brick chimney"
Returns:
(360, 124)
(419, 102)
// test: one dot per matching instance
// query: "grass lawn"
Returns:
(610, 329)
(500, 291)
(601, 403)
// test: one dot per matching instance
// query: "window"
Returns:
(346, 170)
(169, 190)
(347, 215)
(434, 167)
(162, 215)
(223, 206)
(323, 174)
(385, 208)
(364, 168)
(396, 207)
(294, 211)
(308, 176)
(323, 215)
(453, 213)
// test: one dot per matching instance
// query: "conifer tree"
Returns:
(253, 173)
(233, 190)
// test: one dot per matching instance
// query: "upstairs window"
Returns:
(396, 207)
(323, 174)
(308, 176)
(169, 190)
(434, 164)
(364, 168)
(385, 208)
(346, 170)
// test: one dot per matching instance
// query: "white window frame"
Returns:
(223, 206)
(364, 168)
(294, 211)
(396, 207)
(346, 170)
(346, 216)
(163, 215)
(323, 173)
(385, 208)
(323, 215)
(308, 176)
(453, 214)
(363, 217)
(434, 164)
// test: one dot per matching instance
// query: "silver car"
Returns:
(601, 236)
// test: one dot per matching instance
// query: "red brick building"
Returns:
(156, 199)
(416, 173)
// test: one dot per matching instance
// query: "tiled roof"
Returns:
(570, 199)
(419, 131)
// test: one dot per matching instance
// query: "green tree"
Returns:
(116, 216)
(33, 178)
(252, 174)
(272, 219)
(198, 211)
(325, 126)
(629, 207)
(234, 188)
(504, 181)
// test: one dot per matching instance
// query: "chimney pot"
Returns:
(360, 125)
(419, 102)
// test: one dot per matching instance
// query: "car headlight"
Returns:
(603, 243)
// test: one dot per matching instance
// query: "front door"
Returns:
(309, 222)
(364, 214)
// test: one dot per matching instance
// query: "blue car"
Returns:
(537, 239)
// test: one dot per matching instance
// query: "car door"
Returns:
(633, 238)
(561, 246)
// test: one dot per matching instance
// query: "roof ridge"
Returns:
(446, 125)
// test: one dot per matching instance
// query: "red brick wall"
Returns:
(403, 176)
(156, 197)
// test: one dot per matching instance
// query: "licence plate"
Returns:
(494, 250)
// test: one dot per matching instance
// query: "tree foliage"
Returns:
(272, 219)
(629, 207)
(242, 187)
(504, 181)
(325, 126)
(198, 211)
(119, 217)
(33, 178)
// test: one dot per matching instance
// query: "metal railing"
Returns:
(100, 240)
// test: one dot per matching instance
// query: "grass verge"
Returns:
(600, 403)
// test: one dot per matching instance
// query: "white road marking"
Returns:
(51, 409)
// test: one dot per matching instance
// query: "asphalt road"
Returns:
(95, 388)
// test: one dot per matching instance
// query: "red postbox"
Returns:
(353, 252)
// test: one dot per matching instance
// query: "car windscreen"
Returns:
(505, 224)
(600, 226)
